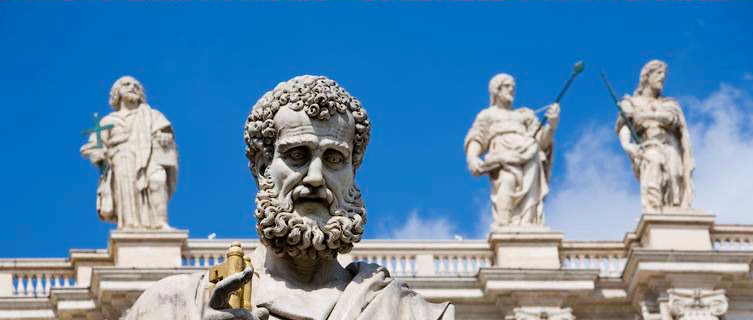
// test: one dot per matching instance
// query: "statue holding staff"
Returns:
(661, 157)
(134, 147)
(518, 155)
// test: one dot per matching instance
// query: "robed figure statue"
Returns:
(662, 158)
(138, 160)
(518, 155)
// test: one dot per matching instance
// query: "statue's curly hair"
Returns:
(320, 98)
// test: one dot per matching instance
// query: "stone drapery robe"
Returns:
(664, 162)
(506, 136)
(140, 175)
(370, 295)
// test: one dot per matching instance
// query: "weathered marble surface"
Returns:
(138, 158)
(517, 162)
(305, 140)
(663, 161)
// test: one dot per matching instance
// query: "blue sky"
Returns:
(421, 70)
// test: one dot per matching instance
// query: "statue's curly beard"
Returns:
(286, 232)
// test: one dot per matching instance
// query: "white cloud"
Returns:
(748, 76)
(598, 196)
(482, 204)
(721, 127)
(417, 227)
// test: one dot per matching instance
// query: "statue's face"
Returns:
(130, 89)
(506, 90)
(312, 165)
(656, 79)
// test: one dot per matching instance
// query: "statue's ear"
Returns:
(261, 167)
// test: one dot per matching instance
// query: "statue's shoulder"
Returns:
(360, 269)
(386, 298)
(486, 113)
(670, 102)
(525, 111)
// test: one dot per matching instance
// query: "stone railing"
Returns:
(732, 237)
(426, 258)
(206, 253)
(34, 277)
(401, 258)
(607, 256)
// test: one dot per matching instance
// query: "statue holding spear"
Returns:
(517, 153)
(654, 134)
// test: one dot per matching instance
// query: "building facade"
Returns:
(674, 265)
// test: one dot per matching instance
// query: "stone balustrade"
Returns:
(401, 258)
(732, 237)
(592, 278)
(608, 257)
(34, 277)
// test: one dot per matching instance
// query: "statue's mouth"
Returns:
(307, 195)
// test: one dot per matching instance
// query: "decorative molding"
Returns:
(543, 313)
(697, 304)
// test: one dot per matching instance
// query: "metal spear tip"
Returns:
(578, 67)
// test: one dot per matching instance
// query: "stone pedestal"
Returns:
(675, 229)
(526, 248)
(147, 249)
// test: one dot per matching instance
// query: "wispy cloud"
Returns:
(598, 196)
(424, 228)
(721, 131)
(748, 76)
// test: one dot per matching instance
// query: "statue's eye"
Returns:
(298, 154)
(334, 157)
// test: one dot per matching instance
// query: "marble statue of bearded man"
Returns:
(518, 155)
(663, 161)
(305, 140)
(138, 159)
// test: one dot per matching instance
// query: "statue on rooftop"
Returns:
(662, 158)
(134, 147)
(304, 140)
(518, 155)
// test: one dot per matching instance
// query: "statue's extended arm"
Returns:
(219, 308)
(625, 134)
(546, 134)
(164, 137)
(91, 151)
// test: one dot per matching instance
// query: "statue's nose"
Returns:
(314, 176)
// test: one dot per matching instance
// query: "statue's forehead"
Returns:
(339, 127)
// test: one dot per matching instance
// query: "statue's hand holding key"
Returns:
(219, 307)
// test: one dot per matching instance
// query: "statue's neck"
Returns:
(504, 105)
(650, 93)
(126, 106)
